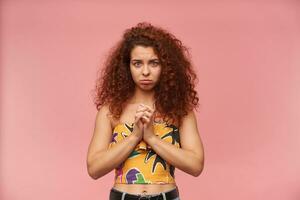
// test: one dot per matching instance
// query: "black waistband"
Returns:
(117, 195)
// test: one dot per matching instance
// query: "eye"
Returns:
(137, 64)
(155, 64)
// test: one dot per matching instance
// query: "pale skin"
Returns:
(139, 110)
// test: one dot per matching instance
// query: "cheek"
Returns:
(157, 73)
(133, 73)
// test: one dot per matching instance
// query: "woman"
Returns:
(145, 125)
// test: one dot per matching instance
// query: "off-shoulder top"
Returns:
(143, 165)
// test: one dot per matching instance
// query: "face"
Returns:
(145, 67)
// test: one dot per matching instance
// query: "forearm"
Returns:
(182, 159)
(105, 161)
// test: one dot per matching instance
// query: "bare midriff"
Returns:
(138, 189)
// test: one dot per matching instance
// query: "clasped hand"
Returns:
(144, 120)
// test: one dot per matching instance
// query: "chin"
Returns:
(146, 88)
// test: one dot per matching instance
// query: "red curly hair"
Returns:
(174, 93)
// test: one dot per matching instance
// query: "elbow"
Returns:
(91, 172)
(198, 170)
(93, 176)
(96, 171)
(197, 173)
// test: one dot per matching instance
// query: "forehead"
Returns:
(141, 52)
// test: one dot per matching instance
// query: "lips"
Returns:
(146, 81)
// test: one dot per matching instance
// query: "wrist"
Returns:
(151, 139)
(134, 137)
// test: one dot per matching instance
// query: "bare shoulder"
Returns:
(102, 132)
(104, 114)
(188, 120)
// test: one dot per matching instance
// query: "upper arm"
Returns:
(189, 135)
(102, 133)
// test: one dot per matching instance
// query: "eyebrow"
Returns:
(155, 59)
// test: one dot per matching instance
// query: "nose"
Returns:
(145, 70)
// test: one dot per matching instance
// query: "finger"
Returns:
(149, 108)
(138, 116)
(148, 114)
(141, 105)
(141, 110)
(148, 119)
(141, 116)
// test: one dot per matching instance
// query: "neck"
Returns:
(144, 97)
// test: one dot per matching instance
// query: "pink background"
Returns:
(246, 54)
